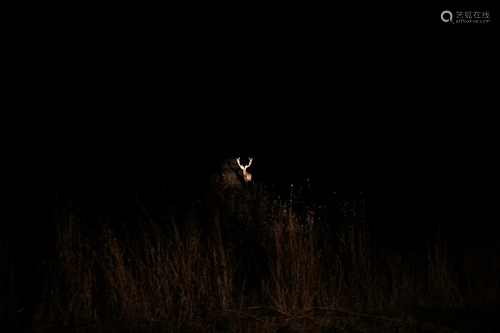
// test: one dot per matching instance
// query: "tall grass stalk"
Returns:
(243, 250)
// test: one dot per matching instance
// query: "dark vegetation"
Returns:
(243, 259)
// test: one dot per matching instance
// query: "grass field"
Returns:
(244, 260)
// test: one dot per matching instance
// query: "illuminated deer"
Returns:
(247, 175)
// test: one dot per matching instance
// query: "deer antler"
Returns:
(246, 166)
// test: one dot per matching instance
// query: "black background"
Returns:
(389, 100)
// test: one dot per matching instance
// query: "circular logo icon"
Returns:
(449, 13)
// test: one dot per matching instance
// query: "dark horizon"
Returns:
(425, 181)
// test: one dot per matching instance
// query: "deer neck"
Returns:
(247, 176)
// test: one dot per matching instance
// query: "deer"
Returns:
(247, 175)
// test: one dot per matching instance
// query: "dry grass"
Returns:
(243, 261)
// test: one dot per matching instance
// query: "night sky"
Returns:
(405, 115)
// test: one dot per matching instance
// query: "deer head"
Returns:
(247, 175)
